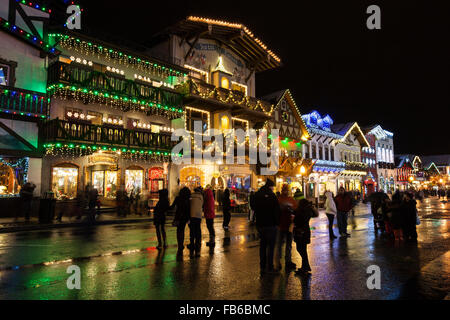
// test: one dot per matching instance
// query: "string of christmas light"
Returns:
(89, 48)
(17, 103)
(76, 150)
(123, 103)
(217, 94)
(4, 24)
(35, 6)
(22, 163)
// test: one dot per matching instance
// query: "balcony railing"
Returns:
(208, 91)
(23, 102)
(74, 132)
(355, 166)
(91, 80)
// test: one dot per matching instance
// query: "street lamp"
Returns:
(302, 173)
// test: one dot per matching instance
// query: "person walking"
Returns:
(302, 232)
(287, 207)
(396, 209)
(182, 216)
(92, 202)
(330, 211)
(121, 200)
(226, 208)
(298, 195)
(196, 212)
(267, 213)
(343, 205)
(410, 218)
(210, 213)
(159, 217)
(252, 207)
(26, 197)
(137, 200)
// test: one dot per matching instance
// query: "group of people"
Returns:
(189, 208)
(281, 220)
(398, 216)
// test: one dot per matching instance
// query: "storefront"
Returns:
(65, 179)
(13, 175)
(351, 180)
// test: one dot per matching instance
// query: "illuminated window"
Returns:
(105, 182)
(225, 123)
(7, 73)
(134, 180)
(239, 87)
(65, 182)
(193, 115)
(225, 83)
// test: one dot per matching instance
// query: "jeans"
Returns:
(330, 224)
(212, 233)
(302, 250)
(268, 237)
(180, 235)
(282, 237)
(342, 222)
(196, 233)
(226, 217)
(161, 233)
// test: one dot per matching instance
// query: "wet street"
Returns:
(121, 262)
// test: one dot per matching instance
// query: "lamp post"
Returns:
(302, 173)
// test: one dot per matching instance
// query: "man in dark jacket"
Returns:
(343, 205)
(267, 212)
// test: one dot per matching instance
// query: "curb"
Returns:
(84, 224)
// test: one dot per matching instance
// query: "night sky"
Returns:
(397, 77)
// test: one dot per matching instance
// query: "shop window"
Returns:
(65, 181)
(105, 182)
(134, 179)
(12, 175)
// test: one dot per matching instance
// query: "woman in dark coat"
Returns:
(226, 207)
(302, 232)
(182, 216)
(159, 217)
(410, 217)
(396, 213)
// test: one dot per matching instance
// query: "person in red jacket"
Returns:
(343, 205)
(210, 214)
(287, 207)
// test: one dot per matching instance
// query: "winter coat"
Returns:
(330, 206)
(161, 208)
(303, 213)
(267, 208)
(343, 202)
(209, 206)
(196, 203)
(287, 207)
(183, 206)
(226, 202)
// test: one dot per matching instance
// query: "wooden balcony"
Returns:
(132, 93)
(21, 102)
(208, 97)
(62, 131)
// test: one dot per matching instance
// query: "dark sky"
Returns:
(397, 76)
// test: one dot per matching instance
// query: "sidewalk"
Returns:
(8, 225)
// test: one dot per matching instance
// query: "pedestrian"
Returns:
(159, 217)
(196, 212)
(267, 213)
(26, 198)
(330, 211)
(409, 218)
(182, 216)
(298, 195)
(137, 200)
(302, 232)
(122, 199)
(210, 213)
(287, 208)
(81, 203)
(92, 202)
(343, 206)
(226, 208)
(397, 218)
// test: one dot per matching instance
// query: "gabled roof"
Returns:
(237, 37)
(275, 99)
(344, 129)
(401, 160)
(438, 160)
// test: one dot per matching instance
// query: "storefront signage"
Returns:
(104, 159)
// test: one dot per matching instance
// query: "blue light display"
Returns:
(315, 120)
